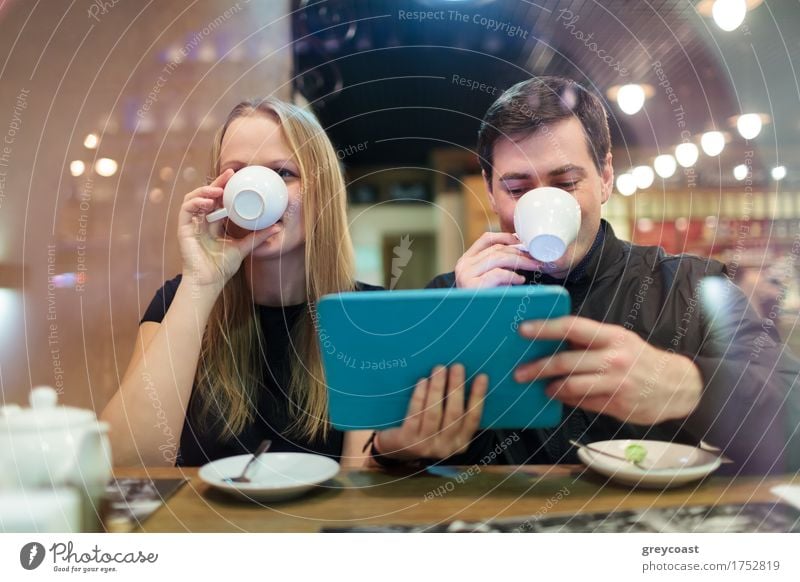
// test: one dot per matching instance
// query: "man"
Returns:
(661, 347)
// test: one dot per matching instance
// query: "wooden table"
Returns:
(376, 497)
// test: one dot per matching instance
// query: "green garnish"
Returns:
(635, 453)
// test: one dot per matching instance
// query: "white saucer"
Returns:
(666, 464)
(273, 477)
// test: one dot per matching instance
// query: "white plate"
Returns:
(666, 464)
(273, 477)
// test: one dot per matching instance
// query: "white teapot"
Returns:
(48, 447)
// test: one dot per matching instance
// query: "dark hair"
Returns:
(529, 105)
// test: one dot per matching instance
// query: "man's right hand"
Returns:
(491, 262)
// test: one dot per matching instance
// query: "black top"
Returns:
(750, 393)
(201, 444)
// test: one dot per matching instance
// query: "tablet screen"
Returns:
(376, 346)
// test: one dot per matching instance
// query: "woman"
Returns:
(226, 354)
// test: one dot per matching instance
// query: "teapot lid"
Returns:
(43, 414)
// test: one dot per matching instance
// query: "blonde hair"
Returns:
(230, 367)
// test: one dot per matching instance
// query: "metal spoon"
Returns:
(262, 448)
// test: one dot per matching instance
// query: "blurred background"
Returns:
(108, 110)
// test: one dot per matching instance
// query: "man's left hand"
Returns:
(611, 370)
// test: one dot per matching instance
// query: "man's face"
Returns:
(555, 155)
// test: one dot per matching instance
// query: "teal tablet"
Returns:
(375, 347)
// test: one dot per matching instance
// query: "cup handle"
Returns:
(217, 215)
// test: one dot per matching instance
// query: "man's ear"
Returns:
(607, 177)
(488, 183)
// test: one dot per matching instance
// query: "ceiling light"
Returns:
(644, 177)
(665, 165)
(687, 154)
(76, 167)
(712, 142)
(106, 167)
(91, 141)
(630, 98)
(749, 125)
(729, 14)
(740, 172)
(626, 184)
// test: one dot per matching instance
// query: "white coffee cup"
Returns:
(547, 221)
(255, 197)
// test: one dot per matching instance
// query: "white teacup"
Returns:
(547, 221)
(255, 197)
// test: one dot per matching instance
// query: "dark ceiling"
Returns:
(376, 74)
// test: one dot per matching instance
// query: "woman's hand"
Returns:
(438, 423)
(210, 257)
